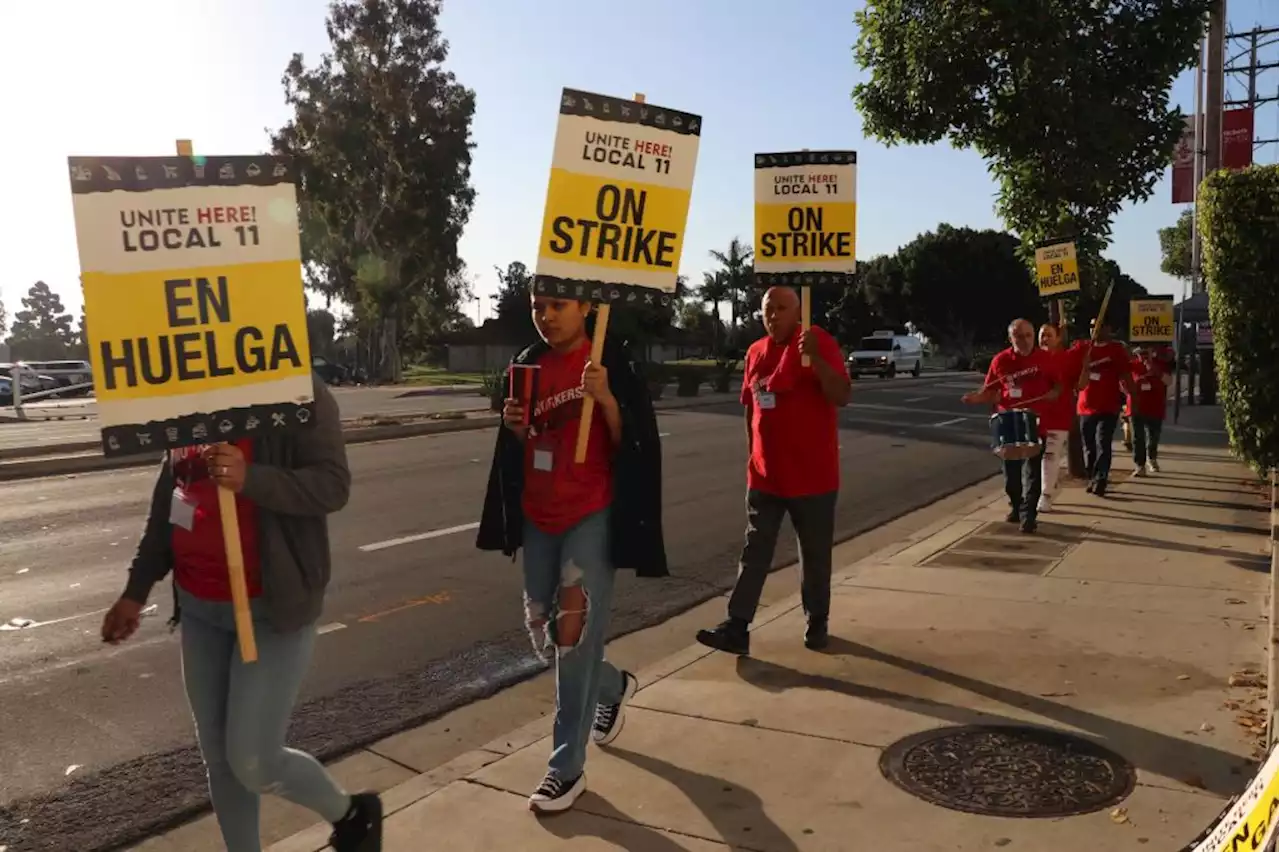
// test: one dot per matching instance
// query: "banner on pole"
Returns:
(806, 218)
(192, 279)
(618, 200)
(1057, 271)
(1237, 138)
(1184, 163)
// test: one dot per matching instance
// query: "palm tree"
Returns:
(738, 274)
(715, 289)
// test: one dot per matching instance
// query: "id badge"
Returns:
(768, 400)
(182, 512)
(1145, 386)
(1015, 393)
(543, 459)
(1095, 377)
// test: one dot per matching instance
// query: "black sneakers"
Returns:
(1013, 517)
(609, 717)
(815, 636)
(731, 636)
(555, 794)
(1028, 524)
(361, 829)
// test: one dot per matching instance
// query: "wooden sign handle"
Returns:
(806, 316)
(231, 539)
(597, 354)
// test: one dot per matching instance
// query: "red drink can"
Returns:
(524, 387)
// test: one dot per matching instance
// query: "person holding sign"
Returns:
(1104, 372)
(285, 485)
(1058, 417)
(793, 466)
(577, 522)
(1022, 378)
(1147, 406)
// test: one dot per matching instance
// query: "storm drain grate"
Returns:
(1008, 771)
(991, 562)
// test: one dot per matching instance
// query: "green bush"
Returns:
(494, 386)
(1237, 216)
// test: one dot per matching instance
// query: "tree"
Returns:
(1175, 248)
(1068, 102)
(739, 278)
(80, 348)
(714, 290)
(382, 138)
(42, 329)
(511, 302)
(858, 309)
(321, 330)
(965, 286)
(4, 319)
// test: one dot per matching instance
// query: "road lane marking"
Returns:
(330, 628)
(438, 598)
(410, 539)
(916, 399)
(951, 422)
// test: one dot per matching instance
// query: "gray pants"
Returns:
(814, 520)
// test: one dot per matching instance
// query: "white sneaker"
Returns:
(555, 795)
(1139, 472)
(1044, 505)
(1153, 466)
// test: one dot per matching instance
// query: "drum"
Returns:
(1015, 435)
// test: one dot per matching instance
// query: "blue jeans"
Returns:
(578, 557)
(242, 711)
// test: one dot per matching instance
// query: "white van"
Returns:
(886, 354)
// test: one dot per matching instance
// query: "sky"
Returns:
(84, 77)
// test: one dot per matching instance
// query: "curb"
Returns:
(82, 456)
(413, 790)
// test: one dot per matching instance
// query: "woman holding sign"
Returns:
(577, 522)
(285, 486)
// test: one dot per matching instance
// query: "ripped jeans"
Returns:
(568, 577)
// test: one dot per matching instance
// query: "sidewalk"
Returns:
(1122, 622)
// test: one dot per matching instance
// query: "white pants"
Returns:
(1055, 453)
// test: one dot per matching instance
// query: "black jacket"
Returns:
(636, 539)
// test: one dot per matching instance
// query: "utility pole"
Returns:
(1258, 38)
(1214, 82)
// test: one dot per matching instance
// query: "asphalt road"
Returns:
(96, 743)
(353, 403)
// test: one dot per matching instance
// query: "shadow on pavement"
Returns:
(1113, 511)
(1213, 770)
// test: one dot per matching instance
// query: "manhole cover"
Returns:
(991, 562)
(1008, 771)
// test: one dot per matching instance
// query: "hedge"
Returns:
(1237, 217)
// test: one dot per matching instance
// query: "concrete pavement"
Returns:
(417, 622)
(1123, 623)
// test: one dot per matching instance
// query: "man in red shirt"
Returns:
(1147, 406)
(793, 466)
(1022, 377)
(1104, 372)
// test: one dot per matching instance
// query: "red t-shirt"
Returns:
(199, 554)
(795, 451)
(1151, 396)
(1059, 415)
(1024, 380)
(1107, 363)
(559, 492)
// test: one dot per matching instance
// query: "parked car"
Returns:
(64, 373)
(31, 382)
(329, 372)
(6, 391)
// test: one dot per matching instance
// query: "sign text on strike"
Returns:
(805, 237)
(617, 233)
(191, 355)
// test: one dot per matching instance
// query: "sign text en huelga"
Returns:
(1056, 269)
(192, 288)
(618, 198)
(805, 217)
